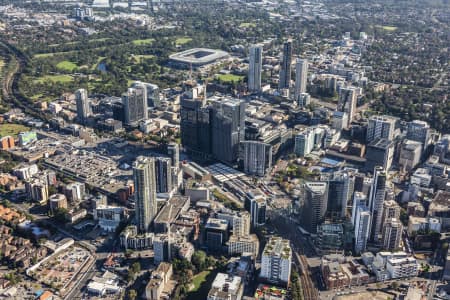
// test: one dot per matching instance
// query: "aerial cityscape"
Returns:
(225, 149)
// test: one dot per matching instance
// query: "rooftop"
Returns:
(278, 247)
(217, 224)
(381, 143)
(226, 283)
(172, 209)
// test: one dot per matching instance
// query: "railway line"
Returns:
(287, 230)
(10, 86)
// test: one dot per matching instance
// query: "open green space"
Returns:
(202, 283)
(143, 42)
(99, 40)
(54, 78)
(50, 54)
(229, 78)
(247, 25)
(66, 65)
(65, 43)
(387, 28)
(199, 279)
(182, 40)
(12, 129)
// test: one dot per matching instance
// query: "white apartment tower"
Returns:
(276, 261)
(83, 105)
(392, 234)
(347, 103)
(145, 192)
(255, 68)
(241, 224)
(380, 127)
(362, 228)
(301, 77)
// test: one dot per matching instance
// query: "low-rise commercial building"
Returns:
(340, 272)
(109, 217)
(243, 244)
(226, 287)
(158, 281)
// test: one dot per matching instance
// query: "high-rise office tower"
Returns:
(216, 234)
(376, 201)
(380, 152)
(228, 128)
(255, 204)
(255, 68)
(301, 77)
(347, 103)
(195, 125)
(418, 131)
(304, 142)
(330, 238)
(315, 205)
(241, 224)
(392, 234)
(145, 192)
(390, 210)
(285, 71)
(173, 150)
(380, 127)
(256, 157)
(303, 100)
(410, 153)
(151, 92)
(163, 174)
(83, 105)
(362, 225)
(339, 120)
(358, 200)
(135, 105)
(341, 187)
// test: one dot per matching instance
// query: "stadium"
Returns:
(197, 57)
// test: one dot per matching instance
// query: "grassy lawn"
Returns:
(229, 78)
(46, 55)
(65, 43)
(66, 65)
(76, 43)
(54, 78)
(12, 129)
(388, 28)
(199, 279)
(202, 283)
(143, 42)
(247, 25)
(182, 40)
